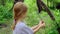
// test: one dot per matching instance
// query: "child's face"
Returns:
(23, 16)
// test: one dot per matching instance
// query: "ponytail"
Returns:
(19, 11)
(14, 24)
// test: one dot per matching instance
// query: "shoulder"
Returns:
(24, 28)
(20, 24)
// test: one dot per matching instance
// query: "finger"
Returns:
(42, 22)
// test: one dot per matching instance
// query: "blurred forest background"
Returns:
(32, 18)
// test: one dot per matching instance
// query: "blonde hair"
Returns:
(19, 10)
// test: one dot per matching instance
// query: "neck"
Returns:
(19, 20)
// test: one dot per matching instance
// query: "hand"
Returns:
(41, 23)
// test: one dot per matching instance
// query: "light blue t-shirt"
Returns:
(22, 28)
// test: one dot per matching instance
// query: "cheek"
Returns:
(24, 16)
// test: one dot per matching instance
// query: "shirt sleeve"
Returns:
(27, 30)
(22, 28)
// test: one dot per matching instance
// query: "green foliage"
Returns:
(57, 1)
(32, 17)
(4, 12)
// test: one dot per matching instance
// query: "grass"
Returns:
(31, 21)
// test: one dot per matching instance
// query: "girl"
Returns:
(19, 27)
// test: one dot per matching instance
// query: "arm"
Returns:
(34, 27)
(37, 27)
